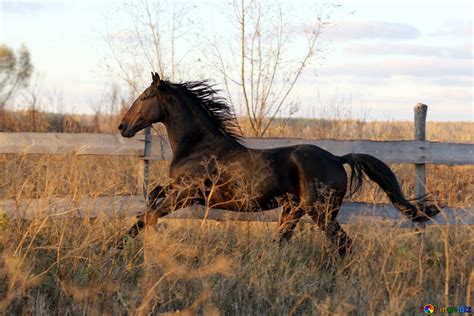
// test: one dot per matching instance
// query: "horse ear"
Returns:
(156, 78)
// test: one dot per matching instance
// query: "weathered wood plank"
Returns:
(420, 134)
(409, 151)
(114, 144)
(113, 206)
(70, 144)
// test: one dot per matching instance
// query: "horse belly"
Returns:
(245, 197)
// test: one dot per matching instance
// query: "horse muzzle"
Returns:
(126, 131)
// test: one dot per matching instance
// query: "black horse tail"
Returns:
(381, 174)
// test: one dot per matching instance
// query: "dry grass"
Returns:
(461, 132)
(66, 266)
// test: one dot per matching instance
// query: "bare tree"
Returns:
(32, 100)
(107, 109)
(259, 70)
(158, 40)
(265, 66)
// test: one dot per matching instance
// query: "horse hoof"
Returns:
(114, 251)
(120, 244)
(161, 226)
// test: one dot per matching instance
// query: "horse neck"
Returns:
(191, 130)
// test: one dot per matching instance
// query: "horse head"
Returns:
(147, 109)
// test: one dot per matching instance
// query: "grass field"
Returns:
(67, 266)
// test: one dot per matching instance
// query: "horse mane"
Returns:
(217, 107)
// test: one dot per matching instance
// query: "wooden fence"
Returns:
(403, 151)
(418, 152)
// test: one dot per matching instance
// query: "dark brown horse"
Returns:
(211, 167)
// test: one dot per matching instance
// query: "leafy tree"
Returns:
(15, 70)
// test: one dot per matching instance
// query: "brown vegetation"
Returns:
(66, 266)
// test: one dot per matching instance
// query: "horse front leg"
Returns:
(158, 207)
(150, 218)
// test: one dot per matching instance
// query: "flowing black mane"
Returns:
(219, 110)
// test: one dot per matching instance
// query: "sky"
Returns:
(380, 57)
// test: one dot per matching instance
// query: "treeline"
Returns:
(347, 128)
(32, 120)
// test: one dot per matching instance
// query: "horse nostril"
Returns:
(120, 127)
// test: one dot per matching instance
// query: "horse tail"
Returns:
(381, 174)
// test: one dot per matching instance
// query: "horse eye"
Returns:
(146, 96)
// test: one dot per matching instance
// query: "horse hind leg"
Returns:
(289, 217)
(338, 238)
(325, 217)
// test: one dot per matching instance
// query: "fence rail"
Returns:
(405, 151)
(132, 205)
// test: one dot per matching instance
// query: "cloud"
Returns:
(457, 29)
(123, 36)
(429, 68)
(455, 81)
(455, 51)
(453, 94)
(356, 30)
(22, 7)
(33, 7)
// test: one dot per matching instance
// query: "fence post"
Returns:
(146, 162)
(420, 134)
(420, 184)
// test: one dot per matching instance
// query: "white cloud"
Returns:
(457, 29)
(356, 30)
(122, 36)
(429, 68)
(454, 51)
(26, 7)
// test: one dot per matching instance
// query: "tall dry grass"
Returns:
(462, 132)
(59, 265)
(64, 266)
